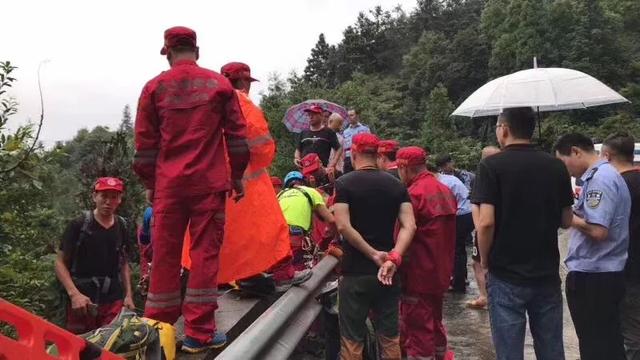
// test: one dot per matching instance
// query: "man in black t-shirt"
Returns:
(368, 204)
(619, 149)
(318, 139)
(92, 264)
(524, 195)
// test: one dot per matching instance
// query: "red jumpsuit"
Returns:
(426, 272)
(186, 116)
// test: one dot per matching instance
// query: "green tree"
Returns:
(518, 33)
(317, 69)
(594, 45)
(126, 125)
(26, 221)
(438, 126)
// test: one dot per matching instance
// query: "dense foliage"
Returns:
(404, 71)
(44, 191)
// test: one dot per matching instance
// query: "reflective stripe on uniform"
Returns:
(260, 140)
(145, 156)
(209, 299)
(254, 175)
(409, 299)
(209, 291)
(163, 296)
(162, 304)
(201, 296)
(237, 146)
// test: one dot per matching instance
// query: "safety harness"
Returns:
(311, 251)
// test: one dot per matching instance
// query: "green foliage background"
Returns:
(404, 71)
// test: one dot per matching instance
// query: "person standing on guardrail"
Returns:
(368, 204)
(426, 272)
(618, 149)
(92, 264)
(191, 150)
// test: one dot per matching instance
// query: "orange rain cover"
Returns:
(256, 234)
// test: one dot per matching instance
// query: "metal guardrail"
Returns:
(275, 334)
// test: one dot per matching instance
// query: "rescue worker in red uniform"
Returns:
(387, 150)
(187, 117)
(426, 272)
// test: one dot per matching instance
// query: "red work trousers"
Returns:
(422, 333)
(78, 323)
(205, 216)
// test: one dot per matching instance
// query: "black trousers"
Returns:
(464, 227)
(594, 301)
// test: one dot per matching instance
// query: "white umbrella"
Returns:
(544, 89)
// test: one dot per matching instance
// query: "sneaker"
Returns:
(193, 346)
(300, 277)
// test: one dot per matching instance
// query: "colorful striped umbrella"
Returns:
(296, 120)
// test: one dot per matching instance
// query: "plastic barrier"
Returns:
(35, 334)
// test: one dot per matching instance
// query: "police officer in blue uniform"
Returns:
(597, 249)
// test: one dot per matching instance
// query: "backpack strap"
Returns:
(85, 232)
(303, 191)
(306, 194)
(122, 231)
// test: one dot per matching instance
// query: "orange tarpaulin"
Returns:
(256, 234)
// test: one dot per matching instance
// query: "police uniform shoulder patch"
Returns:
(593, 198)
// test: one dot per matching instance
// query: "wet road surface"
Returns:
(469, 333)
(468, 330)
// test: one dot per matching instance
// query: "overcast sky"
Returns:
(102, 53)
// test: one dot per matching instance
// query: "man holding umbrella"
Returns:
(318, 139)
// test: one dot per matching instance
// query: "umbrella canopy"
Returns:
(296, 120)
(545, 89)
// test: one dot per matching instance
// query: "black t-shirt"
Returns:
(320, 142)
(632, 269)
(374, 199)
(529, 188)
(98, 255)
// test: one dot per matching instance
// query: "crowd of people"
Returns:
(398, 220)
